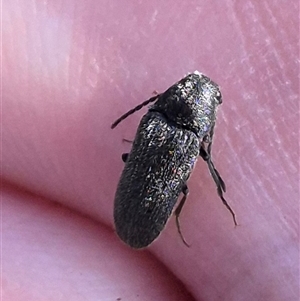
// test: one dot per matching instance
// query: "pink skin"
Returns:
(70, 68)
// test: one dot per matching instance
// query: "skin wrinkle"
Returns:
(234, 16)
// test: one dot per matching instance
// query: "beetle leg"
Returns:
(217, 179)
(203, 154)
(125, 157)
(185, 192)
(214, 173)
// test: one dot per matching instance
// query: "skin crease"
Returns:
(69, 69)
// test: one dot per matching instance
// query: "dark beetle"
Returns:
(177, 129)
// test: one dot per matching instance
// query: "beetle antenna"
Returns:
(152, 99)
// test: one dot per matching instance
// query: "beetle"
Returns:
(176, 130)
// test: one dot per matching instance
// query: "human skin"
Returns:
(69, 69)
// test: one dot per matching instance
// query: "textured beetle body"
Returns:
(159, 164)
(165, 149)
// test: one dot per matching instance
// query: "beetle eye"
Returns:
(218, 97)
